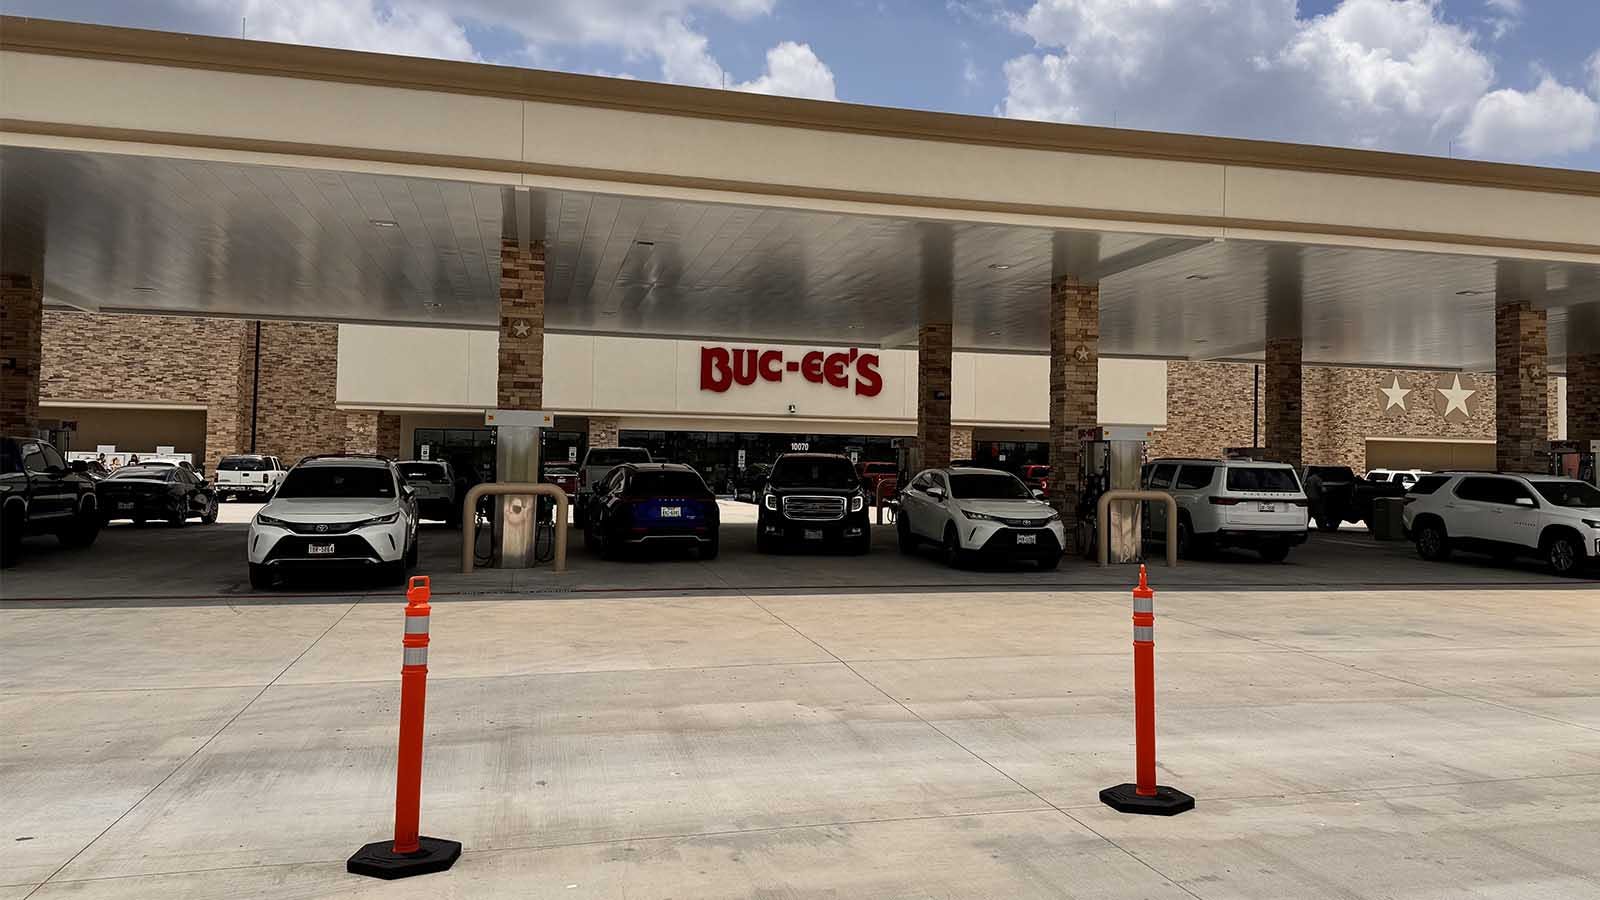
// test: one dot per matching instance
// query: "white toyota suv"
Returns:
(332, 511)
(971, 512)
(1244, 503)
(1553, 518)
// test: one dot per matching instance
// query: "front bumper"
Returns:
(1004, 541)
(373, 545)
(776, 526)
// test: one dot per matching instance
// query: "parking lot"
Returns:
(1353, 722)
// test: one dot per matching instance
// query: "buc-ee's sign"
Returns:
(723, 367)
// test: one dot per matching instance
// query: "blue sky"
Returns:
(1512, 80)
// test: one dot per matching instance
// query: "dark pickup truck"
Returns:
(41, 494)
(1337, 495)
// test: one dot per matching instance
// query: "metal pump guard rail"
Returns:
(878, 497)
(1103, 520)
(469, 518)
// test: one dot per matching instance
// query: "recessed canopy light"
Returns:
(645, 243)
(145, 289)
(994, 334)
(1201, 341)
(853, 327)
(1000, 266)
(608, 312)
(384, 223)
(1471, 293)
(429, 304)
(1197, 277)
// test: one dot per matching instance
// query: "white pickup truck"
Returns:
(248, 475)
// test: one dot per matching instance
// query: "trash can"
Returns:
(1387, 524)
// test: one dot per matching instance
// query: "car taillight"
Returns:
(1224, 501)
(1299, 502)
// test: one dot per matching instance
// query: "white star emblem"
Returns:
(1395, 394)
(1455, 397)
(521, 329)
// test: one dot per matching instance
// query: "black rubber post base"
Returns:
(378, 859)
(1168, 801)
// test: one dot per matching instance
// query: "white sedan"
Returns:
(978, 512)
(333, 512)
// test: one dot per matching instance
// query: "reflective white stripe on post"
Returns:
(416, 656)
(1144, 604)
(416, 624)
(1140, 633)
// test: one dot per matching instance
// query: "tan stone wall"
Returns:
(1521, 338)
(299, 382)
(960, 442)
(1583, 396)
(521, 373)
(1208, 409)
(603, 431)
(1074, 385)
(21, 300)
(934, 389)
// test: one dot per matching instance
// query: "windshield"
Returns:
(1571, 494)
(989, 487)
(354, 482)
(817, 473)
(666, 484)
(617, 455)
(157, 473)
(242, 464)
(422, 471)
(1261, 478)
(875, 468)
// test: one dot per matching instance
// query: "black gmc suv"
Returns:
(813, 498)
(41, 494)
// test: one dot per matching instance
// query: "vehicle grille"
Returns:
(814, 509)
(323, 527)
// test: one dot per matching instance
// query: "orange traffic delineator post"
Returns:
(1145, 796)
(409, 853)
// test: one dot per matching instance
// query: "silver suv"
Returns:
(1230, 503)
(1549, 517)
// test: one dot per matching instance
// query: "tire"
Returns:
(1050, 563)
(764, 544)
(708, 552)
(954, 557)
(1185, 539)
(1327, 523)
(393, 573)
(209, 517)
(11, 528)
(904, 539)
(84, 529)
(1274, 552)
(179, 516)
(861, 546)
(138, 521)
(260, 577)
(1563, 554)
(412, 553)
(1433, 543)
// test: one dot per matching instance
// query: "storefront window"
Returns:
(716, 455)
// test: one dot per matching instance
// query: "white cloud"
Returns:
(1594, 73)
(1551, 120)
(1391, 74)
(413, 29)
(793, 70)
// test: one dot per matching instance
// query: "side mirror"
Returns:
(936, 492)
(1038, 494)
(1524, 502)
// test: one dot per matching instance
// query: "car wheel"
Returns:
(708, 549)
(84, 529)
(393, 573)
(764, 544)
(1050, 563)
(1433, 543)
(1562, 555)
(412, 552)
(1275, 552)
(179, 515)
(903, 536)
(210, 516)
(138, 521)
(1327, 523)
(1185, 539)
(11, 537)
(260, 577)
(861, 546)
(954, 557)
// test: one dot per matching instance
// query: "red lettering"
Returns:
(811, 366)
(771, 365)
(715, 375)
(835, 369)
(868, 381)
(744, 367)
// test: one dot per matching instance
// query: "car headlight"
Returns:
(977, 515)
(263, 519)
(770, 501)
(1052, 516)
(857, 503)
(381, 520)
(1592, 523)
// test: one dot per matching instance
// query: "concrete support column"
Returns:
(1522, 385)
(360, 431)
(521, 384)
(21, 339)
(603, 431)
(1074, 386)
(388, 437)
(1583, 373)
(960, 442)
(933, 394)
(1282, 401)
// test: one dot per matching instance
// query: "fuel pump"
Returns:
(1575, 459)
(1110, 460)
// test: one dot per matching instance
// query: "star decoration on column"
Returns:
(521, 329)
(1081, 354)
(1455, 398)
(1394, 395)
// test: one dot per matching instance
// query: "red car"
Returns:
(564, 478)
(1036, 477)
(874, 473)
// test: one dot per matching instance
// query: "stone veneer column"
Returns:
(1074, 387)
(933, 394)
(21, 338)
(1521, 364)
(603, 431)
(360, 431)
(1583, 373)
(960, 442)
(1282, 400)
(521, 379)
(388, 437)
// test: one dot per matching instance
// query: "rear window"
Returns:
(243, 464)
(359, 482)
(613, 456)
(1377, 476)
(666, 484)
(819, 473)
(1570, 494)
(155, 473)
(988, 487)
(1427, 484)
(1195, 477)
(421, 471)
(1262, 478)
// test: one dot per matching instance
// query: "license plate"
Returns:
(1269, 507)
(126, 504)
(1027, 539)
(671, 512)
(813, 534)
(320, 550)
